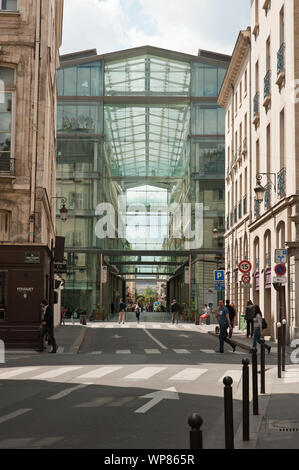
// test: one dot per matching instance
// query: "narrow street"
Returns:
(128, 387)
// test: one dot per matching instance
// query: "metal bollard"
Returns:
(278, 350)
(245, 399)
(255, 402)
(283, 346)
(195, 421)
(263, 366)
(228, 413)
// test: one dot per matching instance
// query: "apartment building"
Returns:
(235, 98)
(30, 36)
(272, 163)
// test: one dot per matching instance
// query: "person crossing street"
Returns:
(222, 316)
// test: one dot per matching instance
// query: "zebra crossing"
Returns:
(84, 375)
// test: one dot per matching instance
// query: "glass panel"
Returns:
(83, 81)
(70, 81)
(6, 77)
(12, 5)
(79, 118)
(60, 82)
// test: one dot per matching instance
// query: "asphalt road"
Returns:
(128, 388)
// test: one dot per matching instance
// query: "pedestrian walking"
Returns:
(249, 314)
(232, 314)
(222, 316)
(138, 309)
(258, 329)
(175, 308)
(47, 327)
(122, 311)
(204, 315)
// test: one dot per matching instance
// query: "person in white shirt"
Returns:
(258, 329)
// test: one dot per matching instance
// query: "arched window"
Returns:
(280, 235)
(7, 90)
(267, 249)
(256, 253)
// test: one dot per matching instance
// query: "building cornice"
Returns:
(240, 53)
(274, 211)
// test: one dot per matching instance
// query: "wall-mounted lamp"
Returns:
(63, 210)
(259, 189)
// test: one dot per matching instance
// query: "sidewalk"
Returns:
(277, 425)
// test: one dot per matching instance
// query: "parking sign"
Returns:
(219, 276)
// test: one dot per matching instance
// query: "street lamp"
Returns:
(63, 210)
(259, 189)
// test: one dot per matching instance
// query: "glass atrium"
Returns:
(141, 165)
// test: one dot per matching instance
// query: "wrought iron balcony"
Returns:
(281, 182)
(267, 84)
(256, 108)
(7, 165)
(244, 151)
(267, 196)
(281, 66)
(281, 59)
(256, 208)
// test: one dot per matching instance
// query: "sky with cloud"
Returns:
(179, 25)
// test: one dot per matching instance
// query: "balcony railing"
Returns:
(244, 151)
(256, 208)
(281, 182)
(281, 59)
(7, 165)
(267, 196)
(256, 108)
(267, 89)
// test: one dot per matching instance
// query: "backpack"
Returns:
(264, 324)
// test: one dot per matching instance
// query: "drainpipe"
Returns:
(233, 199)
(34, 124)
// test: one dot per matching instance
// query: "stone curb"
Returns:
(74, 349)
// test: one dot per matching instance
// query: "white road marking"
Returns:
(208, 351)
(156, 397)
(152, 351)
(51, 374)
(14, 372)
(97, 352)
(123, 351)
(66, 392)
(155, 339)
(20, 412)
(188, 374)
(145, 373)
(181, 351)
(100, 372)
(234, 374)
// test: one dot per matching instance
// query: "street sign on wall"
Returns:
(281, 256)
(219, 279)
(280, 270)
(245, 266)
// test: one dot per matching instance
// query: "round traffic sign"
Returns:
(245, 266)
(280, 269)
(246, 278)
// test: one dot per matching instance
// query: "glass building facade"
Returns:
(140, 160)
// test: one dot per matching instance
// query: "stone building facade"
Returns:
(30, 36)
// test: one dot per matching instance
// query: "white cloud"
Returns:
(182, 25)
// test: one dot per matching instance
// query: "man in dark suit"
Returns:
(47, 327)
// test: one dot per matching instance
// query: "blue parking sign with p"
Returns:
(219, 276)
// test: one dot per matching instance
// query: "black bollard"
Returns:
(263, 366)
(195, 421)
(255, 402)
(283, 346)
(245, 396)
(279, 350)
(228, 413)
